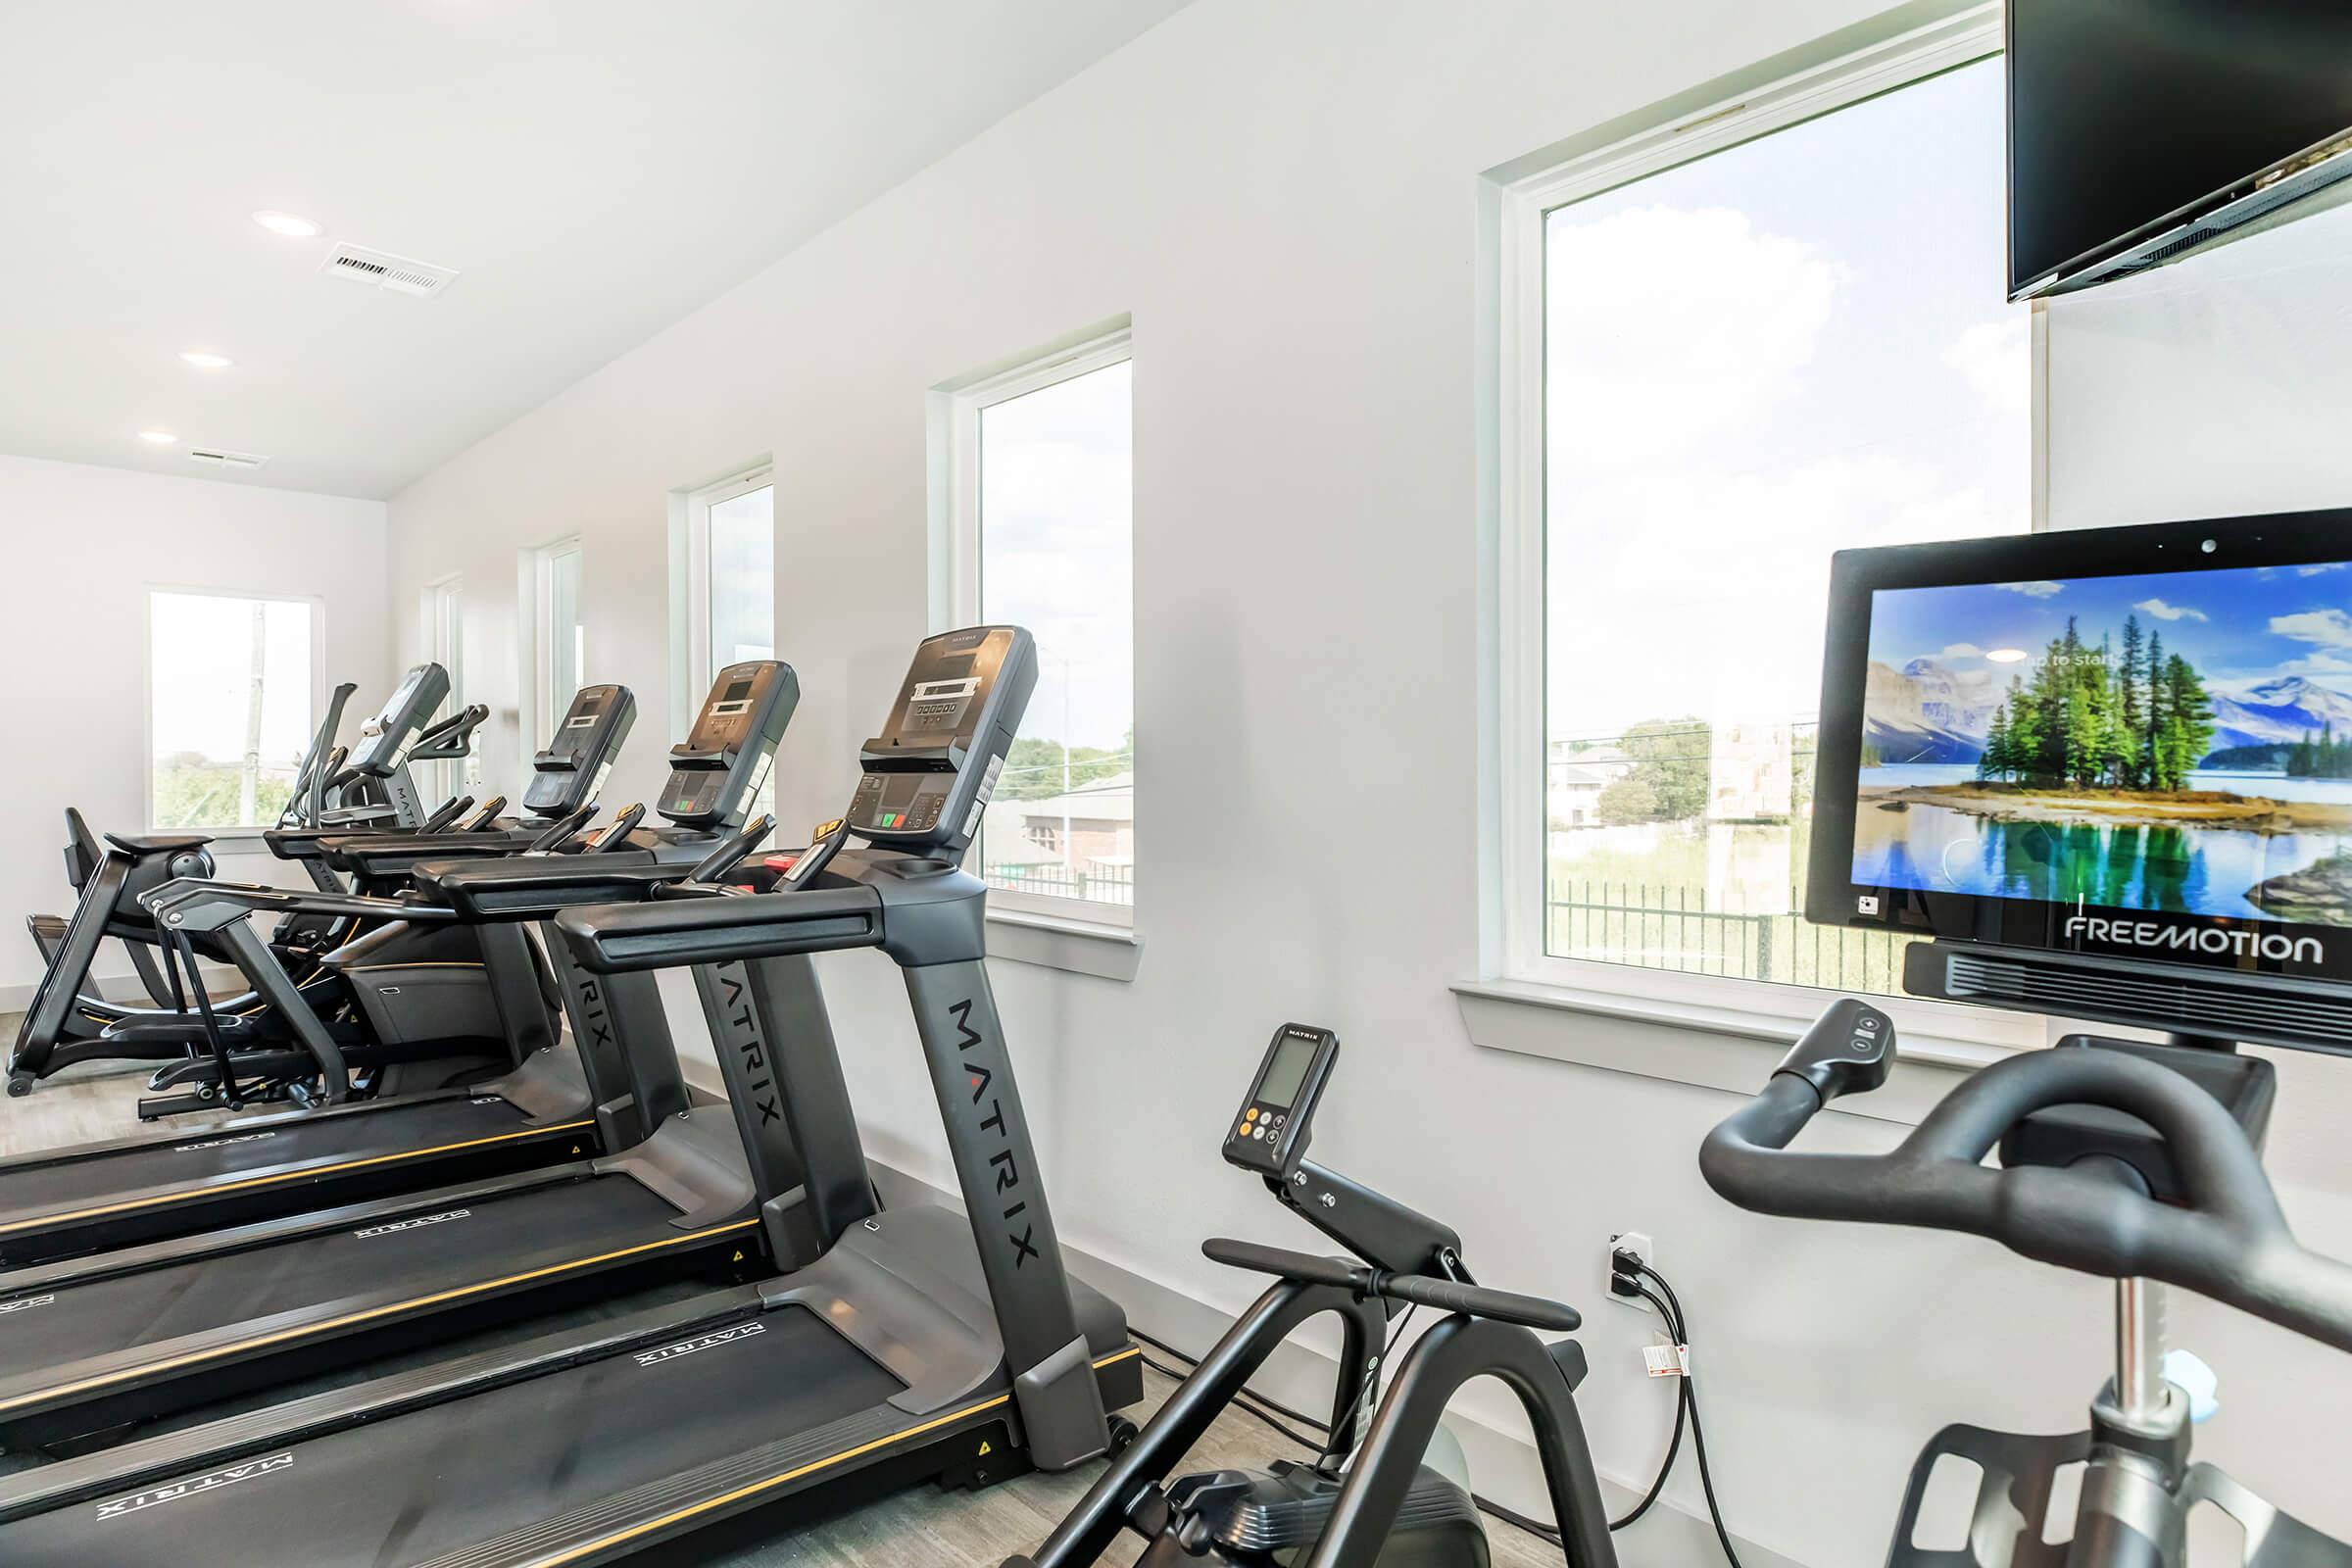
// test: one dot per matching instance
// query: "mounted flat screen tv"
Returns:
(2139, 130)
(2133, 742)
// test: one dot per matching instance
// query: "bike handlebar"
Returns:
(1446, 1296)
(2226, 1240)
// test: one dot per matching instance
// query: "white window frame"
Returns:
(442, 632)
(957, 586)
(547, 706)
(317, 608)
(1513, 947)
(699, 671)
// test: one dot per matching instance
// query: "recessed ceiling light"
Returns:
(290, 225)
(162, 438)
(206, 362)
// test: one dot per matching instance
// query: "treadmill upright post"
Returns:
(995, 1166)
(623, 1037)
(790, 1101)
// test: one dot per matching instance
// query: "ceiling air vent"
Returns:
(384, 270)
(225, 460)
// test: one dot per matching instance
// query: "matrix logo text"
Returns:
(2196, 938)
(671, 1352)
(177, 1489)
(419, 1223)
(220, 1142)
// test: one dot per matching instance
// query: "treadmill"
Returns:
(912, 1344)
(60, 1203)
(111, 1339)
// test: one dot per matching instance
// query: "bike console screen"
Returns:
(929, 776)
(1269, 1133)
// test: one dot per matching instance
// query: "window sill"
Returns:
(1680, 1042)
(1057, 942)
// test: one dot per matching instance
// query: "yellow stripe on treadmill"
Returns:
(753, 1489)
(304, 1174)
(149, 1368)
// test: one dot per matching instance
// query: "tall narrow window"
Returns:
(1045, 539)
(563, 639)
(444, 642)
(731, 591)
(1778, 337)
(229, 689)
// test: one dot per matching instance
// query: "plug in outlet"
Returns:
(1642, 1246)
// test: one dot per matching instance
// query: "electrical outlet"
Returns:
(1642, 1246)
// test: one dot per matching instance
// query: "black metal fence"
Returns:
(1665, 926)
(1108, 884)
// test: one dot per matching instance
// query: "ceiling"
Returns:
(592, 169)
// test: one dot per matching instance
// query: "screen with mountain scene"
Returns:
(2174, 741)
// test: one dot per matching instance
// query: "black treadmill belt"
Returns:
(226, 1154)
(425, 1252)
(410, 1489)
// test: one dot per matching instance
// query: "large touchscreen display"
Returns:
(2177, 742)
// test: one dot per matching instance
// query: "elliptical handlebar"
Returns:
(2227, 1239)
(310, 782)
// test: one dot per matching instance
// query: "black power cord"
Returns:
(1627, 1272)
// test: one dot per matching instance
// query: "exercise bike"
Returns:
(2140, 1163)
(1368, 1499)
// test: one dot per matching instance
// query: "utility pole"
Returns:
(249, 774)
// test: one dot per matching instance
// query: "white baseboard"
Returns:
(219, 979)
(1504, 1464)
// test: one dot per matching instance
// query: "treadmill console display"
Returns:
(568, 775)
(1270, 1133)
(384, 739)
(727, 756)
(928, 778)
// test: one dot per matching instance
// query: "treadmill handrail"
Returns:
(623, 938)
(519, 886)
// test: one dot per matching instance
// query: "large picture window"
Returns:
(1744, 355)
(229, 688)
(1043, 539)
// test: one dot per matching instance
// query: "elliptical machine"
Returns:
(1367, 1499)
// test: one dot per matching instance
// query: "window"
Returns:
(444, 646)
(562, 641)
(231, 684)
(731, 603)
(1041, 514)
(1743, 342)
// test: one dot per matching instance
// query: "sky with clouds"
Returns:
(1790, 348)
(2239, 628)
(202, 668)
(1056, 547)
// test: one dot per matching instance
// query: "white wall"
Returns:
(86, 543)
(1285, 198)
